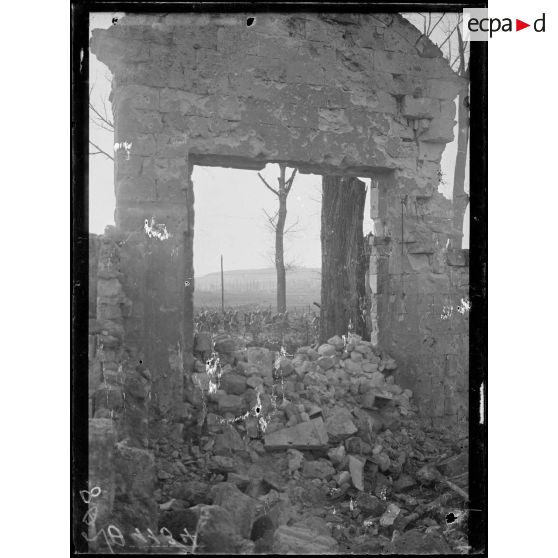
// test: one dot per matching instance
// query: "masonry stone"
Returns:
(351, 94)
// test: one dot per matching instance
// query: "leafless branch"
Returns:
(291, 228)
(424, 21)
(272, 220)
(430, 31)
(100, 117)
(449, 36)
(267, 185)
(461, 53)
(289, 182)
(100, 151)
(102, 126)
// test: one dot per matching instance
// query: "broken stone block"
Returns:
(261, 358)
(217, 529)
(240, 481)
(356, 356)
(134, 503)
(109, 397)
(369, 367)
(286, 366)
(295, 459)
(252, 427)
(458, 257)
(390, 415)
(417, 542)
(233, 384)
(221, 464)
(195, 492)
(337, 342)
(390, 515)
(356, 468)
(440, 130)
(201, 380)
(262, 534)
(312, 354)
(363, 349)
(336, 455)
(369, 504)
(382, 460)
(102, 437)
(163, 475)
(340, 425)
(273, 480)
(326, 362)
(442, 89)
(293, 421)
(316, 524)
(241, 507)
(393, 388)
(368, 400)
(377, 379)
(343, 477)
(302, 540)
(403, 483)
(327, 350)
(203, 342)
(427, 475)
(109, 288)
(421, 107)
(231, 403)
(224, 345)
(320, 469)
(454, 466)
(355, 445)
(254, 381)
(228, 442)
(389, 364)
(306, 435)
(353, 367)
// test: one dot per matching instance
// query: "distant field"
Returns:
(263, 299)
(255, 287)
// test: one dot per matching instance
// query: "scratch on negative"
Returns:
(481, 409)
(156, 230)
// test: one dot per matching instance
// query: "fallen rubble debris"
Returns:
(318, 452)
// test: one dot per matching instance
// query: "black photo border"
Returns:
(79, 239)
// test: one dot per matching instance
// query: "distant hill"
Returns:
(258, 286)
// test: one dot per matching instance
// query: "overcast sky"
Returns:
(229, 203)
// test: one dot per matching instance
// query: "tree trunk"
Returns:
(460, 198)
(279, 255)
(279, 226)
(343, 257)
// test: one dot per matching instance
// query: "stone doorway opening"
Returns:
(232, 202)
(237, 217)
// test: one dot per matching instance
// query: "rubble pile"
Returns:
(319, 452)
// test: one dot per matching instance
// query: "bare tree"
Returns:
(460, 197)
(99, 116)
(445, 31)
(343, 294)
(277, 222)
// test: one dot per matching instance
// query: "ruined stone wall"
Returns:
(120, 464)
(419, 289)
(94, 244)
(361, 95)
